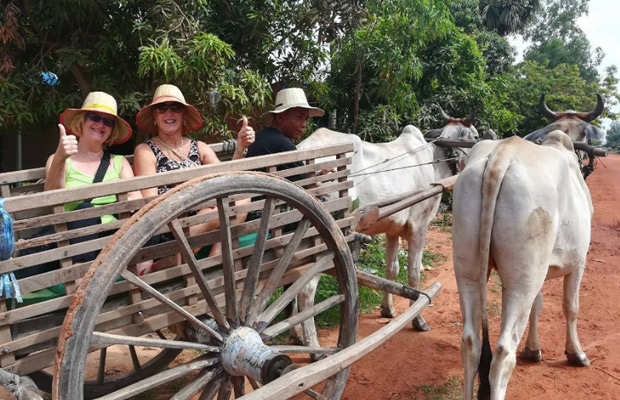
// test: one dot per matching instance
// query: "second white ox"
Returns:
(524, 210)
(384, 170)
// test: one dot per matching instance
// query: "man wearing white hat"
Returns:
(285, 123)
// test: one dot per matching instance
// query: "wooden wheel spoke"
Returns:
(283, 326)
(101, 370)
(289, 294)
(134, 358)
(130, 277)
(251, 279)
(278, 271)
(160, 379)
(111, 339)
(314, 394)
(238, 385)
(255, 385)
(192, 262)
(225, 388)
(228, 267)
(212, 387)
(201, 381)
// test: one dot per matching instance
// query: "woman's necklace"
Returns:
(176, 150)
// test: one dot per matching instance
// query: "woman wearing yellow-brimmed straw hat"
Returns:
(83, 134)
(169, 118)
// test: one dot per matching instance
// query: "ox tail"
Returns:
(494, 173)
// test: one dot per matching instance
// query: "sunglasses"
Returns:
(96, 118)
(174, 107)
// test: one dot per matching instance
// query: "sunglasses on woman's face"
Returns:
(96, 118)
(174, 107)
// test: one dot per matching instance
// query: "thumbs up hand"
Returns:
(246, 135)
(67, 144)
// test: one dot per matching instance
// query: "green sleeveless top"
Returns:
(75, 178)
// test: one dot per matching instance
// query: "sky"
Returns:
(602, 28)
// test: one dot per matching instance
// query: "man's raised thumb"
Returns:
(62, 130)
(244, 124)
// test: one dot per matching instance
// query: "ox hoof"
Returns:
(388, 312)
(530, 355)
(577, 359)
(420, 325)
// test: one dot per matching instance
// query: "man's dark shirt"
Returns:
(269, 141)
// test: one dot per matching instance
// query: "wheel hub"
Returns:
(245, 354)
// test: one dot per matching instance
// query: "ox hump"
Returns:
(558, 139)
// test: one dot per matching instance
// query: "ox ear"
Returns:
(433, 133)
(594, 133)
(538, 135)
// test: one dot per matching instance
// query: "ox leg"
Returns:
(570, 305)
(515, 311)
(306, 301)
(414, 262)
(532, 351)
(471, 345)
(391, 270)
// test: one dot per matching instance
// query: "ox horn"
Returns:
(470, 118)
(544, 110)
(443, 115)
(600, 105)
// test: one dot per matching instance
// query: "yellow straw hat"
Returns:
(167, 93)
(287, 99)
(103, 103)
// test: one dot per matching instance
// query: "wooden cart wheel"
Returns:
(229, 342)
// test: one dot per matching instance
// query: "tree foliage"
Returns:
(373, 65)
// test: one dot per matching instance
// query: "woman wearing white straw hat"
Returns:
(75, 162)
(286, 122)
(169, 118)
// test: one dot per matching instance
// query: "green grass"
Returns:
(452, 390)
(372, 258)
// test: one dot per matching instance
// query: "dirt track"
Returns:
(399, 368)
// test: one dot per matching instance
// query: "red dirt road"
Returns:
(397, 369)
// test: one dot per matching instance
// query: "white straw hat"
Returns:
(103, 103)
(167, 93)
(287, 99)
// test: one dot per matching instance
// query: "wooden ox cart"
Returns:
(208, 324)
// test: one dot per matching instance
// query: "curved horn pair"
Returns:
(600, 105)
(469, 120)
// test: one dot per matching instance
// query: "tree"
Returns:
(557, 39)
(509, 16)
(125, 48)
(613, 135)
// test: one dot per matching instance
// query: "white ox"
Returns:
(384, 170)
(524, 210)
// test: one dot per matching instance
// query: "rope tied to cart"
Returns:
(8, 283)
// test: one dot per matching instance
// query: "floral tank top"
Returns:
(165, 164)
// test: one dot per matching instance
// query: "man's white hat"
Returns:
(287, 99)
